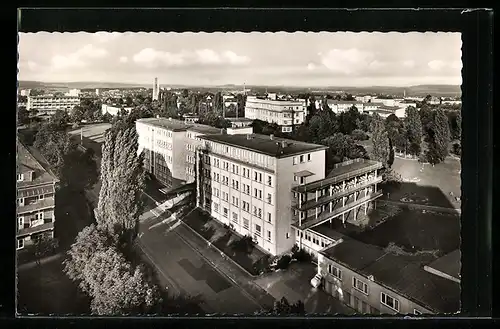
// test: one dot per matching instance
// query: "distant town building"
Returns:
(156, 90)
(97, 92)
(245, 182)
(190, 118)
(342, 106)
(114, 110)
(285, 113)
(240, 126)
(25, 92)
(73, 92)
(49, 104)
(35, 198)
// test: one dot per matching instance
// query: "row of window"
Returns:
(314, 239)
(234, 168)
(301, 158)
(234, 218)
(246, 190)
(164, 144)
(245, 156)
(23, 223)
(385, 299)
(21, 201)
(190, 159)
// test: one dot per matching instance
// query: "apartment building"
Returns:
(342, 106)
(286, 113)
(348, 193)
(35, 198)
(114, 110)
(373, 280)
(49, 104)
(245, 181)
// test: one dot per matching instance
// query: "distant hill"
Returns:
(78, 85)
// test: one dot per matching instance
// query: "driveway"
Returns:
(185, 269)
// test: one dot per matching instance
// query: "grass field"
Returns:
(45, 290)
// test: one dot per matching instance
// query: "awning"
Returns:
(303, 173)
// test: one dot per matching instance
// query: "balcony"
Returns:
(37, 206)
(327, 215)
(340, 174)
(328, 198)
(35, 229)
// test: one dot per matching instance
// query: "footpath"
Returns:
(32, 264)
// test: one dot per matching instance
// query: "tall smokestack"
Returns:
(156, 90)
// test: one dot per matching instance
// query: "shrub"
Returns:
(262, 265)
(300, 254)
(283, 262)
(457, 149)
(359, 135)
(245, 244)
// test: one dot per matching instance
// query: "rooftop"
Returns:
(203, 129)
(400, 272)
(254, 99)
(265, 145)
(241, 119)
(169, 124)
(334, 101)
(26, 162)
(449, 265)
(343, 170)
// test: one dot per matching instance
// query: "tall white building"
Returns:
(283, 112)
(73, 92)
(170, 148)
(156, 90)
(246, 181)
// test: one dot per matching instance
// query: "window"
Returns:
(39, 216)
(389, 301)
(294, 160)
(260, 194)
(269, 198)
(226, 212)
(260, 178)
(20, 177)
(360, 285)
(269, 180)
(335, 271)
(216, 207)
(255, 176)
(269, 236)
(235, 217)
(259, 214)
(269, 217)
(308, 157)
(245, 223)
(20, 222)
(288, 235)
(301, 180)
(416, 312)
(301, 159)
(295, 178)
(257, 229)
(20, 243)
(255, 192)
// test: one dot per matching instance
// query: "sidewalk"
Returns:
(225, 265)
(42, 261)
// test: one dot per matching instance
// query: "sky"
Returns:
(273, 59)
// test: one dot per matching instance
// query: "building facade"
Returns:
(374, 281)
(347, 194)
(245, 181)
(284, 113)
(48, 105)
(114, 110)
(35, 199)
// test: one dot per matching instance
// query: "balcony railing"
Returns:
(328, 198)
(327, 215)
(40, 205)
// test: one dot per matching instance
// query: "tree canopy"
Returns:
(381, 147)
(413, 129)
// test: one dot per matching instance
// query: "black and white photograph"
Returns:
(239, 173)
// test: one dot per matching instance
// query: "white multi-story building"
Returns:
(25, 92)
(170, 148)
(283, 112)
(49, 104)
(114, 110)
(245, 181)
(342, 106)
(73, 92)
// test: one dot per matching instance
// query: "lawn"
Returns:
(222, 238)
(45, 290)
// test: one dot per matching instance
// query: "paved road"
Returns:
(183, 266)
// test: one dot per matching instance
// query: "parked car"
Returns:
(316, 281)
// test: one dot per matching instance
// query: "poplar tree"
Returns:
(413, 128)
(380, 139)
(441, 135)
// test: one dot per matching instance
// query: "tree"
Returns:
(458, 126)
(348, 120)
(123, 180)
(60, 118)
(218, 104)
(359, 135)
(381, 148)
(413, 129)
(76, 114)
(240, 107)
(90, 240)
(185, 93)
(115, 287)
(44, 246)
(283, 307)
(441, 137)
(23, 116)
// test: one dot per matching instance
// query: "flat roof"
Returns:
(170, 124)
(343, 170)
(26, 162)
(242, 119)
(334, 101)
(401, 272)
(303, 173)
(203, 129)
(449, 264)
(265, 145)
